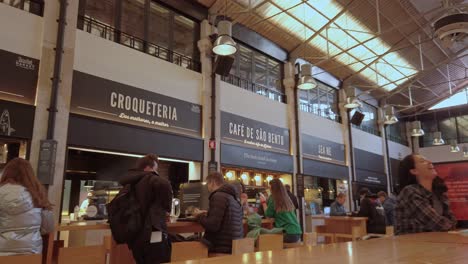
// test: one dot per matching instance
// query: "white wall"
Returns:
(247, 104)
(21, 32)
(112, 61)
(368, 142)
(398, 151)
(320, 127)
(441, 154)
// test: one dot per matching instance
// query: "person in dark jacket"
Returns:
(375, 220)
(292, 196)
(154, 194)
(388, 205)
(223, 221)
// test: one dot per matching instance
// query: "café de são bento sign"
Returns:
(98, 97)
(251, 133)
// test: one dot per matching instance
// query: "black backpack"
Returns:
(125, 216)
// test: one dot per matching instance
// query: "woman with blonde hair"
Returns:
(280, 207)
(25, 211)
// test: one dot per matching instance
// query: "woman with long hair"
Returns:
(422, 204)
(25, 211)
(280, 207)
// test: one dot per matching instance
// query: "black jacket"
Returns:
(154, 194)
(293, 199)
(375, 220)
(223, 223)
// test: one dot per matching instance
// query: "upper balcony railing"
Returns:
(255, 87)
(309, 108)
(102, 30)
(398, 140)
(368, 129)
(32, 6)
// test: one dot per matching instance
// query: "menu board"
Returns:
(456, 179)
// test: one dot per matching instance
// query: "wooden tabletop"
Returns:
(387, 250)
(439, 237)
(343, 218)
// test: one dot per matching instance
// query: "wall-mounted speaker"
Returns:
(357, 118)
(223, 64)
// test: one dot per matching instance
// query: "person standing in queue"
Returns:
(292, 196)
(422, 204)
(368, 208)
(154, 194)
(223, 221)
(337, 207)
(280, 207)
(388, 204)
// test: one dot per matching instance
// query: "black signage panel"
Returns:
(46, 163)
(16, 120)
(371, 177)
(322, 149)
(251, 133)
(98, 97)
(94, 133)
(369, 161)
(18, 77)
(325, 169)
(254, 158)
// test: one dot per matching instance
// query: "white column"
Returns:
(344, 127)
(46, 68)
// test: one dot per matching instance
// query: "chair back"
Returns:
(118, 253)
(270, 242)
(79, 255)
(182, 251)
(242, 246)
(22, 259)
(310, 239)
(389, 231)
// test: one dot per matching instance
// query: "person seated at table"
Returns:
(337, 207)
(422, 204)
(368, 208)
(388, 204)
(223, 221)
(280, 207)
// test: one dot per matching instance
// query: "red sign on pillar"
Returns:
(212, 144)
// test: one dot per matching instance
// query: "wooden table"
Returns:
(435, 237)
(384, 250)
(342, 224)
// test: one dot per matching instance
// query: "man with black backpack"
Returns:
(137, 215)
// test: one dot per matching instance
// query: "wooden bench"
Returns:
(321, 230)
(192, 250)
(270, 242)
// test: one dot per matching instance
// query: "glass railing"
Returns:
(309, 108)
(398, 140)
(368, 129)
(254, 87)
(102, 30)
(32, 6)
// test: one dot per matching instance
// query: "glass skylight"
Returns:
(346, 36)
(459, 98)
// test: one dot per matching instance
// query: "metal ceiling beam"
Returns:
(409, 40)
(426, 71)
(331, 21)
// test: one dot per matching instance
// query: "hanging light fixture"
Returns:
(438, 140)
(390, 117)
(465, 151)
(352, 100)
(224, 45)
(306, 82)
(454, 146)
(416, 130)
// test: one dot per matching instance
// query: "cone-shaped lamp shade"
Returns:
(416, 130)
(390, 117)
(438, 140)
(224, 45)
(352, 102)
(454, 146)
(306, 82)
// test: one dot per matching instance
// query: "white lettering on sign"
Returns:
(324, 150)
(142, 106)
